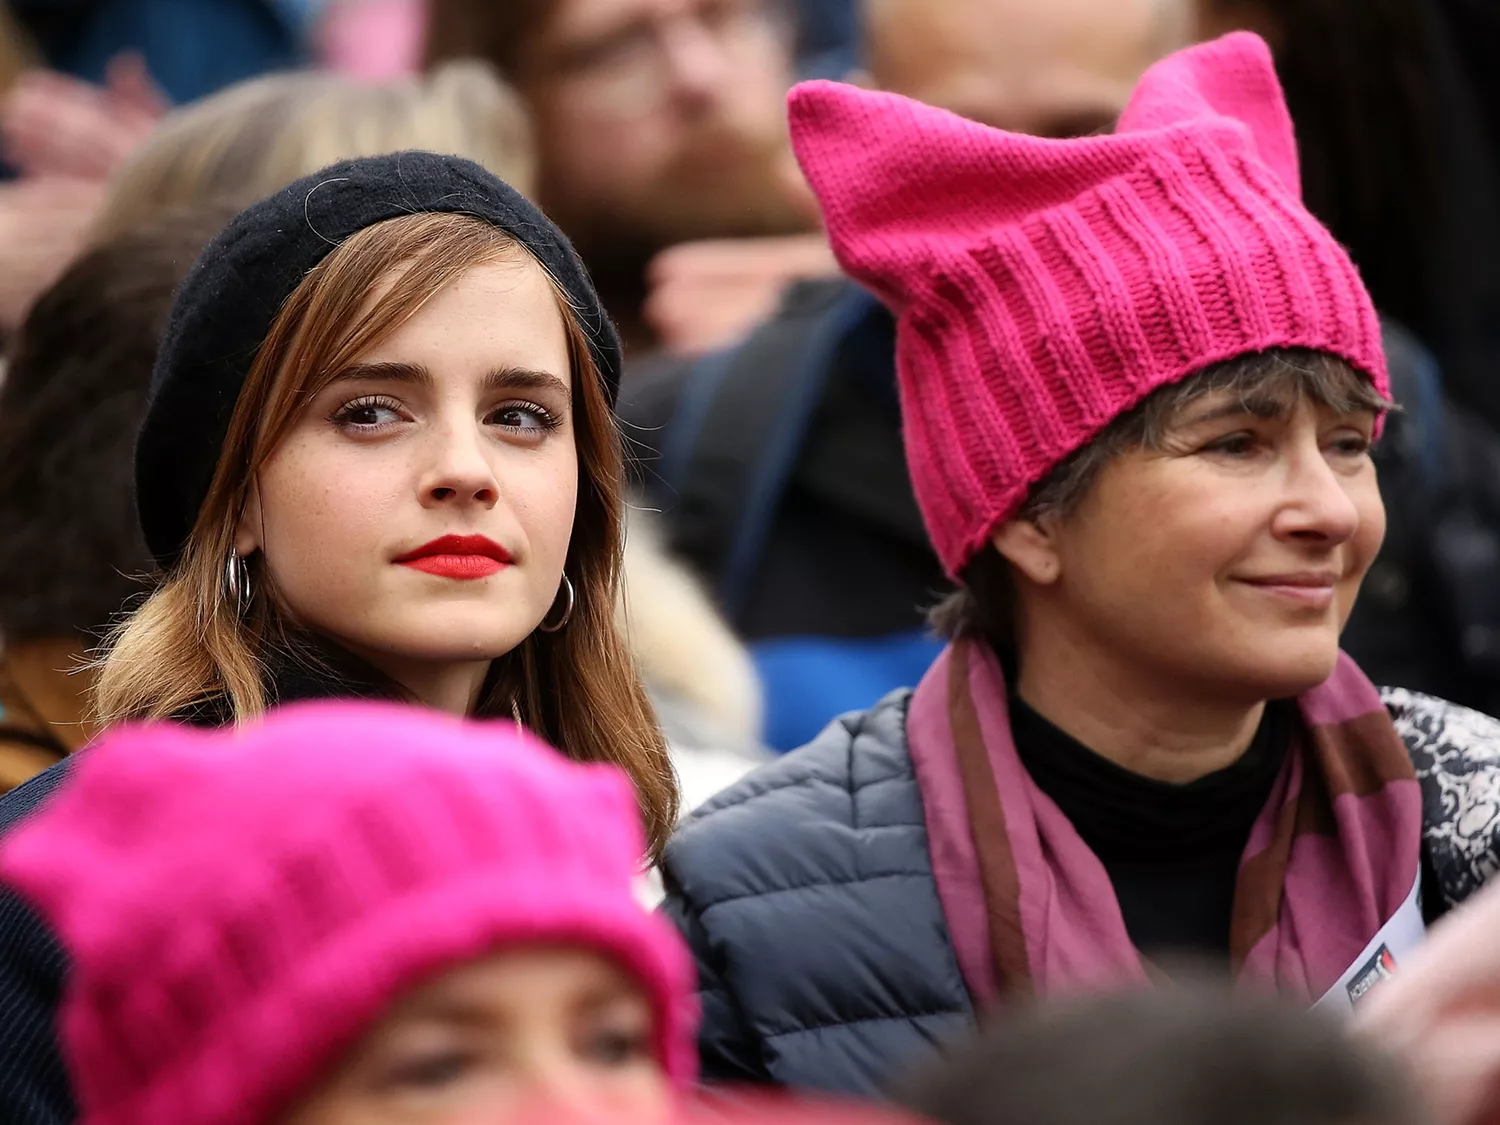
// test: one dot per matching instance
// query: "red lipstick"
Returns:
(458, 556)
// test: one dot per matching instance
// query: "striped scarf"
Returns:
(1031, 909)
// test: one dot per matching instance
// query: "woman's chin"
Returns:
(1293, 666)
(441, 642)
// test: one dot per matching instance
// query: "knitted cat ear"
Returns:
(897, 179)
(1233, 77)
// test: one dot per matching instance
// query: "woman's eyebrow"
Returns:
(389, 372)
(500, 379)
(456, 1010)
(526, 379)
(1261, 406)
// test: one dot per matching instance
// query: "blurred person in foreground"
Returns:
(1187, 1054)
(1140, 386)
(1441, 1014)
(350, 914)
(658, 122)
(71, 552)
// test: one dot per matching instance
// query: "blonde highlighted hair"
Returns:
(254, 138)
(188, 647)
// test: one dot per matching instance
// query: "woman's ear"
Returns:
(1031, 549)
(247, 531)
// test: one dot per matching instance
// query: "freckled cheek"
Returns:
(545, 500)
(323, 517)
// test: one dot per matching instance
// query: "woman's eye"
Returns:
(1234, 445)
(1355, 445)
(429, 1071)
(368, 414)
(524, 416)
(618, 1046)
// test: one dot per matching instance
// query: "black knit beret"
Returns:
(228, 300)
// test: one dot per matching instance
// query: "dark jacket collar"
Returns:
(305, 669)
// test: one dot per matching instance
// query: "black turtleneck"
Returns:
(1172, 851)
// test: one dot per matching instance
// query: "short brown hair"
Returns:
(983, 604)
(71, 551)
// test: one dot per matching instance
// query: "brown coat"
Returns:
(43, 701)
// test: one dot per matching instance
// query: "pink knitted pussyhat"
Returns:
(1042, 287)
(238, 906)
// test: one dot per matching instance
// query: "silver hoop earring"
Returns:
(237, 582)
(567, 615)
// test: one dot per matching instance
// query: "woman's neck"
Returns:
(1125, 712)
(450, 687)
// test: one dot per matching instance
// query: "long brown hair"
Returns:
(187, 645)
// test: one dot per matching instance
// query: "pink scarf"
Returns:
(1031, 910)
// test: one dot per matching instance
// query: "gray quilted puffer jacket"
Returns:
(806, 892)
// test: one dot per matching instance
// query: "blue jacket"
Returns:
(34, 1086)
(192, 47)
(807, 894)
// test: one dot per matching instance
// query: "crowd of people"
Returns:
(761, 561)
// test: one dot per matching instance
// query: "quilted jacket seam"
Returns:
(704, 908)
(835, 784)
(904, 1017)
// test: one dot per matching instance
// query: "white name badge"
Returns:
(1379, 960)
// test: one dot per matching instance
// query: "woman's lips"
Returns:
(1314, 591)
(456, 566)
(458, 556)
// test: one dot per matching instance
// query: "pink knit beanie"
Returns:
(1044, 287)
(238, 907)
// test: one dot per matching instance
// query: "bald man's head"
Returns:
(1049, 67)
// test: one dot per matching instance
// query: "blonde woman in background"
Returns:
(252, 139)
(236, 146)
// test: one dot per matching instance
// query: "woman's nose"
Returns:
(553, 1090)
(1317, 505)
(459, 471)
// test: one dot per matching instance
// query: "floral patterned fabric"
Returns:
(1456, 752)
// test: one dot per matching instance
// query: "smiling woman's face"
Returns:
(1226, 561)
(534, 1034)
(420, 508)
